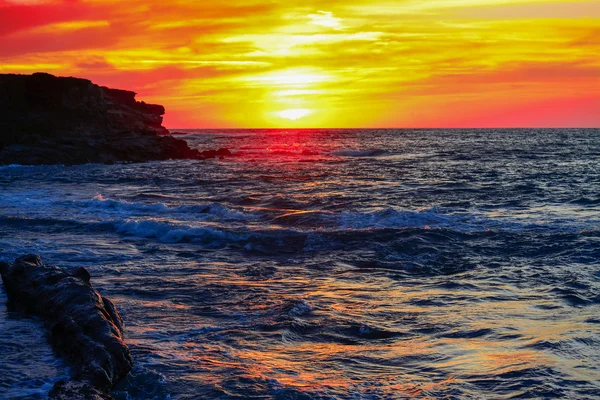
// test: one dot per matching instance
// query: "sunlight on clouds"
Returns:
(277, 44)
(28, 2)
(30, 68)
(70, 26)
(301, 92)
(349, 62)
(326, 19)
(183, 58)
(290, 78)
(438, 8)
(193, 63)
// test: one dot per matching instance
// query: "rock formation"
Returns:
(85, 327)
(50, 120)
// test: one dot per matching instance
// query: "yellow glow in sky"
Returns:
(295, 113)
(351, 63)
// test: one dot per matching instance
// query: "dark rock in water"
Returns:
(50, 120)
(76, 390)
(181, 133)
(85, 327)
(216, 153)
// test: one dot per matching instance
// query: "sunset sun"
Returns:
(294, 113)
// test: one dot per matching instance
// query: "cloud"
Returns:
(377, 62)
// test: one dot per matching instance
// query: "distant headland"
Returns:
(46, 119)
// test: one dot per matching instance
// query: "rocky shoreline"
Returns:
(85, 328)
(54, 120)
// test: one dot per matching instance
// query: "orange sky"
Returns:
(324, 63)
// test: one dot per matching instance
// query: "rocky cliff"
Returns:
(50, 120)
(83, 326)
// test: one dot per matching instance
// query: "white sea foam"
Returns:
(174, 233)
(100, 208)
(214, 222)
(299, 308)
(213, 209)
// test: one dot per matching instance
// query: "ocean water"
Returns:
(328, 264)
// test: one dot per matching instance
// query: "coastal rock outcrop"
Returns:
(53, 120)
(85, 328)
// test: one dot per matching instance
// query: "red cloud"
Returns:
(15, 17)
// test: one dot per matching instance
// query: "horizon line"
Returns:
(393, 128)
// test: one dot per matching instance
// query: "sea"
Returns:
(328, 264)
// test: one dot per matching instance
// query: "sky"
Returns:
(324, 63)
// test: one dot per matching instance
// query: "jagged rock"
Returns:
(50, 120)
(74, 390)
(85, 328)
(216, 153)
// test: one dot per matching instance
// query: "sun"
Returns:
(294, 114)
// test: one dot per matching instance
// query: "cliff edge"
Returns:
(46, 119)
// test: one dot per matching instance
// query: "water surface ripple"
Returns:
(329, 264)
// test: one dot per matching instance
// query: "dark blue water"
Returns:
(329, 264)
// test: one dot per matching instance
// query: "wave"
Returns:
(325, 232)
(214, 209)
(586, 201)
(174, 233)
(262, 230)
(101, 210)
(12, 166)
(31, 203)
(256, 151)
(359, 153)
(391, 218)
(297, 308)
(282, 212)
